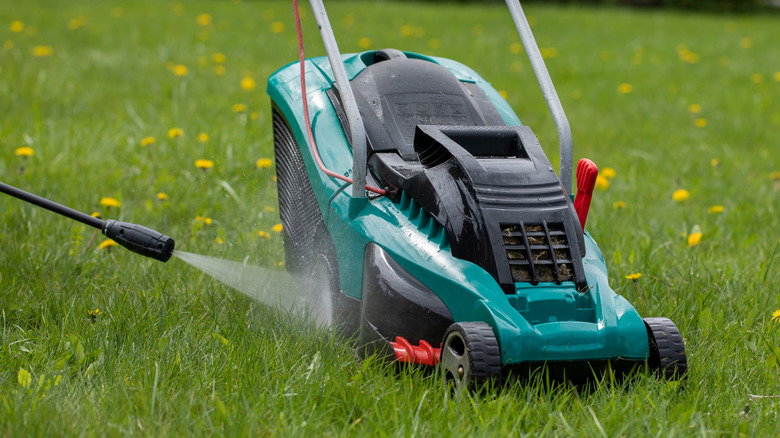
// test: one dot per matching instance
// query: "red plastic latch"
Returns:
(586, 181)
(423, 354)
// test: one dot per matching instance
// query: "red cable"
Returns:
(305, 99)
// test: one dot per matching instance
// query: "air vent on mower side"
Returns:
(538, 252)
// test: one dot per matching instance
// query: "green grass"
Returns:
(172, 352)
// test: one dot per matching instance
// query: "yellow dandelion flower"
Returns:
(147, 141)
(503, 93)
(239, 108)
(42, 51)
(406, 30)
(280, 264)
(602, 183)
(203, 20)
(277, 27)
(180, 70)
(364, 42)
(263, 163)
(248, 84)
(756, 78)
(701, 123)
(746, 42)
(777, 76)
(549, 52)
(218, 58)
(680, 195)
(254, 115)
(207, 221)
(608, 172)
(714, 162)
(23, 377)
(634, 277)
(273, 178)
(204, 164)
(776, 315)
(625, 88)
(94, 313)
(108, 243)
(109, 202)
(269, 209)
(162, 196)
(264, 234)
(278, 228)
(25, 151)
(17, 26)
(715, 209)
(96, 214)
(175, 132)
(516, 48)
(203, 137)
(617, 205)
(694, 239)
(774, 176)
(218, 240)
(219, 69)
(694, 108)
(76, 23)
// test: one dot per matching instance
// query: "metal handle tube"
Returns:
(356, 128)
(52, 206)
(548, 89)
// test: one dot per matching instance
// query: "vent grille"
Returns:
(423, 220)
(538, 252)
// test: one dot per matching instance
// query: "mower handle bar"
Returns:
(358, 131)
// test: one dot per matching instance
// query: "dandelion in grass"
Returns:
(42, 51)
(715, 163)
(25, 151)
(109, 202)
(254, 115)
(756, 78)
(776, 315)
(777, 76)
(608, 172)
(219, 70)
(364, 42)
(503, 94)
(746, 42)
(774, 176)
(203, 137)
(280, 264)
(203, 20)
(434, 43)
(178, 8)
(694, 108)
(218, 58)
(277, 228)
(516, 48)
(277, 27)
(247, 83)
(625, 88)
(602, 183)
(619, 205)
(549, 52)
(206, 220)
(239, 108)
(269, 209)
(694, 239)
(93, 314)
(204, 164)
(96, 215)
(218, 240)
(17, 26)
(162, 196)
(701, 123)
(263, 163)
(23, 377)
(147, 141)
(680, 195)
(634, 276)
(715, 209)
(175, 132)
(406, 30)
(107, 244)
(264, 234)
(180, 70)
(77, 23)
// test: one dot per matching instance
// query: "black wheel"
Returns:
(308, 247)
(667, 349)
(470, 357)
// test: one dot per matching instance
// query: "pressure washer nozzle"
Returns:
(140, 239)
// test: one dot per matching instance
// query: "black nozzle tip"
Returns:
(140, 240)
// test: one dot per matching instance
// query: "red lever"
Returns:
(586, 181)
(425, 354)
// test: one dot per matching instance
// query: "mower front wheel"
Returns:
(470, 358)
(667, 349)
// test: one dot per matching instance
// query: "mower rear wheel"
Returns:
(470, 357)
(667, 349)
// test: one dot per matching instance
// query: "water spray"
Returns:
(136, 238)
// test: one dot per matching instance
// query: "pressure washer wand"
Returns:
(134, 237)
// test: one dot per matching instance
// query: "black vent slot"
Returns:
(538, 252)
(432, 154)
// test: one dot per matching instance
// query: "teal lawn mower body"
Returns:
(474, 258)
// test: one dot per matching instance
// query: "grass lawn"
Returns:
(101, 341)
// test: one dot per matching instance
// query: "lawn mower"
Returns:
(437, 226)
